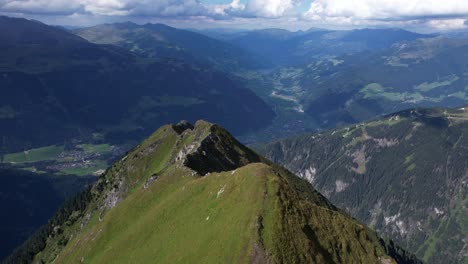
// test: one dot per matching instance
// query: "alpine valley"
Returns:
(347, 146)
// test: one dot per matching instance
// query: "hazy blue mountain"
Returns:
(284, 47)
(56, 85)
(158, 40)
(462, 34)
(219, 33)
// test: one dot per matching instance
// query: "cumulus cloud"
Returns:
(269, 8)
(386, 10)
(106, 7)
(163, 8)
(40, 6)
(256, 8)
(228, 9)
(447, 24)
(435, 14)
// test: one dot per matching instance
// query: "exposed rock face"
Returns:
(308, 174)
(150, 181)
(218, 152)
(182, 126)
(211, 149)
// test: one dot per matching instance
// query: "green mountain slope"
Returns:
(404, 175)
(158, 40)
(61, 86)
(195, 194)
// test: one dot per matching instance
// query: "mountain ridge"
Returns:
(160, 40)
(155, 195)
(286, 48)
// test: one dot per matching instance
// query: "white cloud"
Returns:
(227, 9)
(433, 14)
(386, 9)
(412, 14)
(269, 8)
(256, 8)
(40, 6)
(163, 8)
(447, 24)
(106, 7)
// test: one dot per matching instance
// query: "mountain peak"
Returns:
(210, 148)
(21, 31)
(158, 26)
(196, 188)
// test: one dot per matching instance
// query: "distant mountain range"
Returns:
(158, 41)
(86, 96)
(286, 48)
(404, 174)
(194, 193)
(341, 90)
(322, 78)
(56, 85)
(426, 72)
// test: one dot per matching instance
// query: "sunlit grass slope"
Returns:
(196, 195)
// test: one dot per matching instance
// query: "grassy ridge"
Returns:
(177, 220)
(184, 218)
(153, 206)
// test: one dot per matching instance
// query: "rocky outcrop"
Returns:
(214, 150)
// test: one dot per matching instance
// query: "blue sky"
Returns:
(416, 15)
